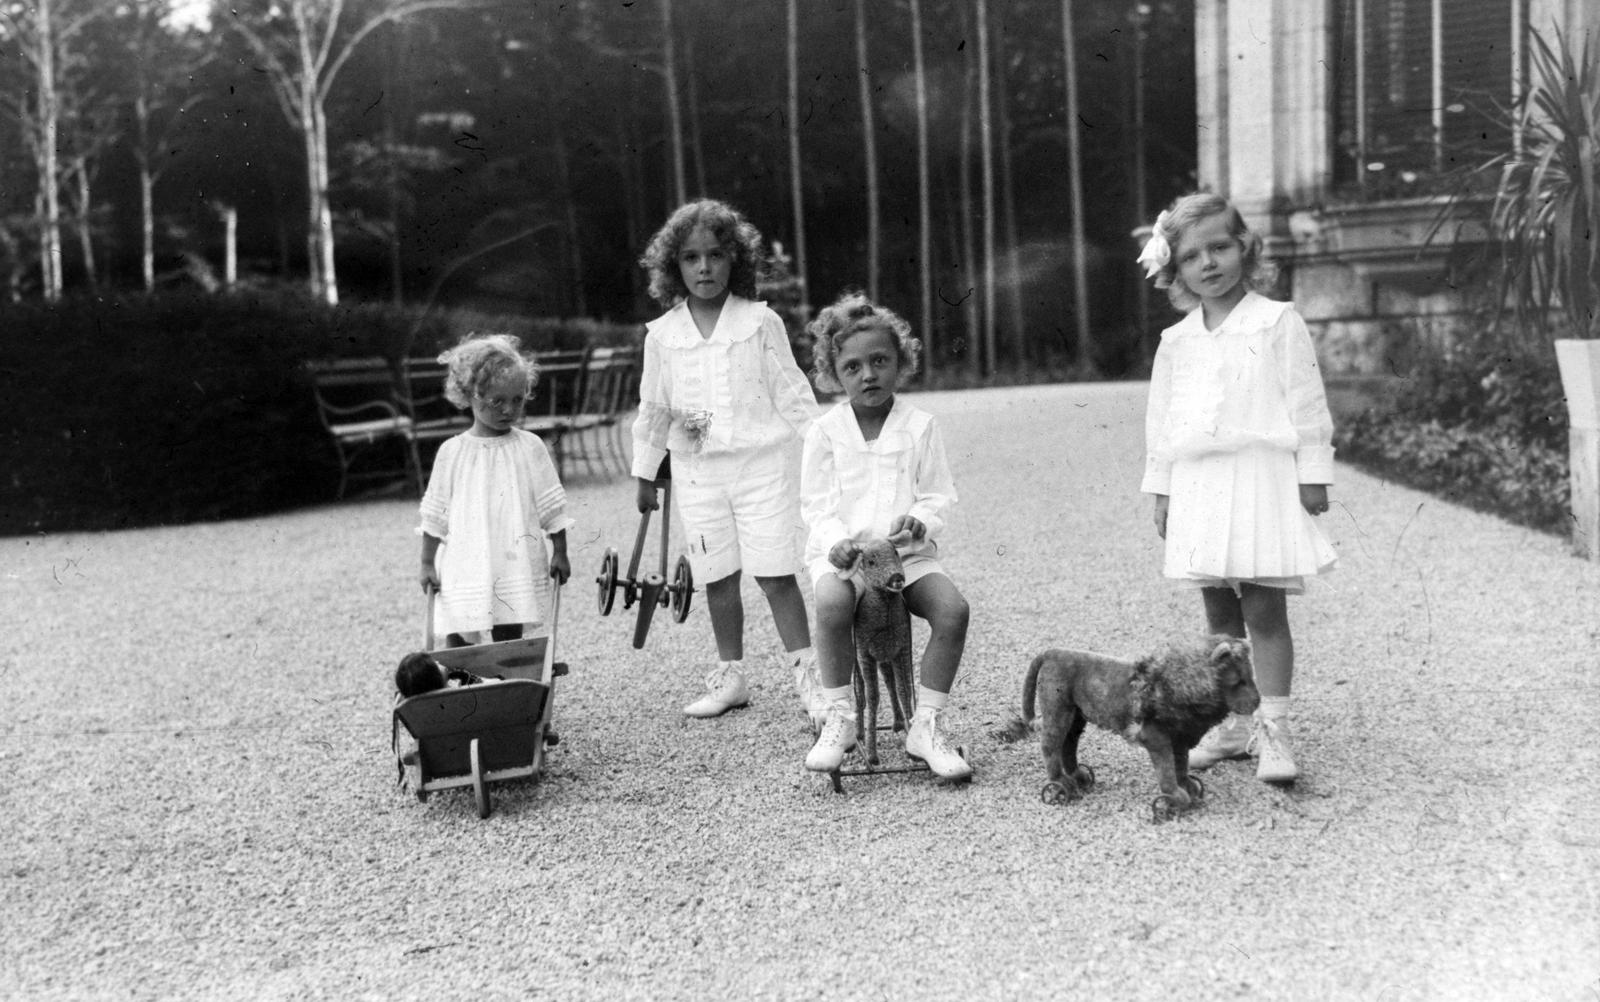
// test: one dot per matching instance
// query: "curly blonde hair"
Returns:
(851, 314)
(737, 235)
(1184, 213)
(478, 359)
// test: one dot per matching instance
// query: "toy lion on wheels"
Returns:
(1165, 703)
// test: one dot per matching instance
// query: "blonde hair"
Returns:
(847, 317)
(478, 360)
(1184, 213)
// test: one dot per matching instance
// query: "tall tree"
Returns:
(924, 197)
(796, 191)
(869, 141)
(986, 155)
(302, 49)
(163, 59)
(45, 35)
(1008, 203)
(1080, 247)
(669, 72)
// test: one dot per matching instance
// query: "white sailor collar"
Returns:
(904, 417)
(1254, 312)
(739, 320)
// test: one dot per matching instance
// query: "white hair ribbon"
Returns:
(1157, 252)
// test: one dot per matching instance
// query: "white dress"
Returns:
(492, 500)
(854, 489)
(1237, 420)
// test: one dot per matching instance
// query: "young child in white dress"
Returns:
(720, 391)
(1239, 456)
(875, 467)
(493, 499)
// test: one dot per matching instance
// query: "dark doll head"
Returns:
(418, 673)
(1178, 220)
(481, 359)
(847, 317)
(738, 237)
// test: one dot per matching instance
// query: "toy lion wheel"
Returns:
(1163, 808)
(1085, 776)
(1195, 788)
(682, 590)
(607, 581)
(1055, 794)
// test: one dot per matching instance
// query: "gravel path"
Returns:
(199, 797)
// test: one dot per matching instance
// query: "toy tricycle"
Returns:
(653, 590)
(485, 733)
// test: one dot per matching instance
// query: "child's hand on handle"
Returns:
(843, 554)
(645, 495)
(430, 578)
(907, 528)
(1314, 498)
(560, 567)
(1162, 501)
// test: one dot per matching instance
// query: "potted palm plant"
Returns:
(1546, 219)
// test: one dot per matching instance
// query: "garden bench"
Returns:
(357, 405)
(550, 412)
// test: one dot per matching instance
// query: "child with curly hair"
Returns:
(720, 390)
(1239, 456)
(493, 501)
(875, 466)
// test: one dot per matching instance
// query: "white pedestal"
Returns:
(1579, 362)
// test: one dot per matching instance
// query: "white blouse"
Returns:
(1253, 381)
(853, 489)
(741, 386)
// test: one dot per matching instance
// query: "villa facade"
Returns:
(1332, 124)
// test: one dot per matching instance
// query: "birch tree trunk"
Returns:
(695, 145)
(869, 141)
(49, 166)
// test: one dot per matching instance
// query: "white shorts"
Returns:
(740, 511)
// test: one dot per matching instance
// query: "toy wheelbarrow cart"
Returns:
(652, 590)
(484, 733)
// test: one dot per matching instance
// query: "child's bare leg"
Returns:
(1266, 613)
(727, 617)
(1223, 612)
(936, 599)
(1231, 738)
(788, 611)
(836, 610)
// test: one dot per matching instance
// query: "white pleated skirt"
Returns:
(1236, 517)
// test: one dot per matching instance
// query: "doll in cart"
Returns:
(494, 556)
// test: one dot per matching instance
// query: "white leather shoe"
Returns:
(838, 737)
(725, 690)
(925, 743)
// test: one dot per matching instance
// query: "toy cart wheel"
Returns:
(480, 787)
(1195, 788)
(1085, 776)
(607, 581)
(682, 590)
(1054, 794)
